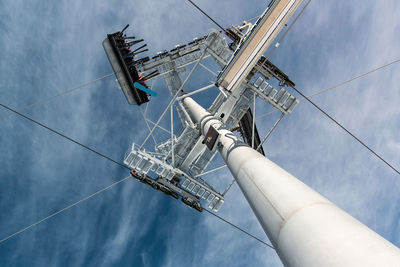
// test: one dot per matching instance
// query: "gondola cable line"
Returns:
(106, 157)
(287, 30)
(279, 41)
(247, 233)
(304, 98)
(338, 85)
(109, 75)
(64, 136)
(207, 210)
(257, 118)
(62, 210)
(59, 94)
(98, 192)
(346, 130)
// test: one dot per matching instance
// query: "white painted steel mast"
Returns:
(305, 228)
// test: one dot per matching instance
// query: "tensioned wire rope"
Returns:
(308, 99)
(94, 151)
(109, 75)
(217, 216)
(86, 84)
(279, 41)
(98, 192)
(64, 209)
(334, 120)
(11, 111)
(346, 130)
(59, 94)
(328, 89)
(338, 85)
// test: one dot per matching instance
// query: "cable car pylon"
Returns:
(305, 228)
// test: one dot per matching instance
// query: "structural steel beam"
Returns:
(262, 35)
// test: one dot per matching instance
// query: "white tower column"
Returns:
(305, 228)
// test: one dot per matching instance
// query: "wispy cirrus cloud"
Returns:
(58, 45)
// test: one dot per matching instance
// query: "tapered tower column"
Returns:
(305, 228)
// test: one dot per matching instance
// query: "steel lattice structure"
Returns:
(176, 165)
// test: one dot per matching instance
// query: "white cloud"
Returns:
(331, 42)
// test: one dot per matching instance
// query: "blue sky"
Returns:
(47, 47)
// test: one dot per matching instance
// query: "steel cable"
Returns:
(59, 94)
(76, 203)
(288, 29)
(64, 209)
(337, 85)
(64, 136)
(216, 23)
(347, 131)
(240, 229)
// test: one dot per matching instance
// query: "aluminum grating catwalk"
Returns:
(148, 165)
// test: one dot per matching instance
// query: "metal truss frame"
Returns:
(178, 164)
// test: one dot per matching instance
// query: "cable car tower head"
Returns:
(176, 166)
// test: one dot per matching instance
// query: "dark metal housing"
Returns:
(246, 130)
(118, 52)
